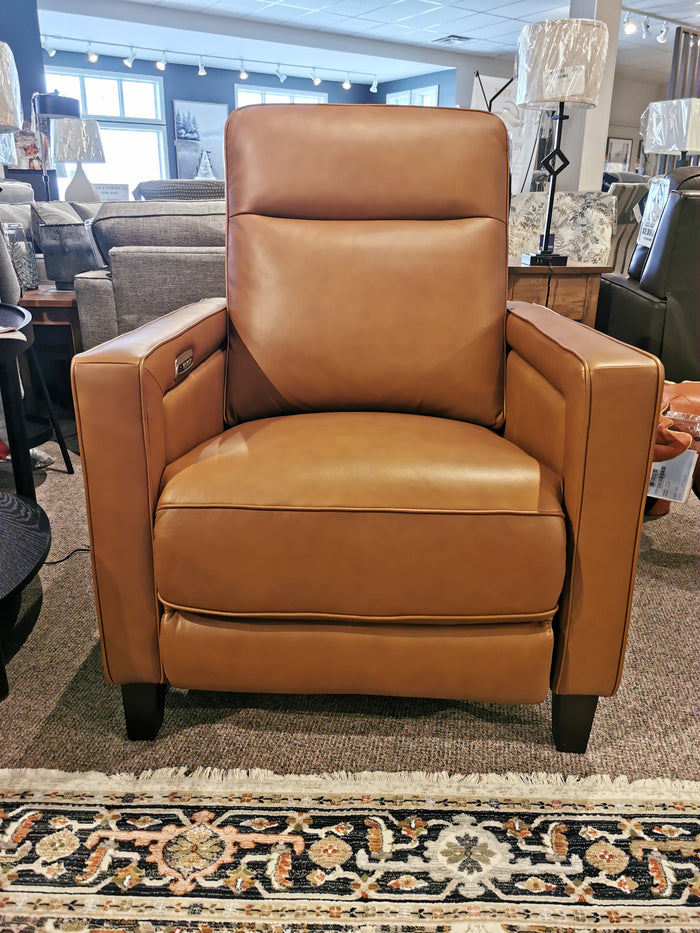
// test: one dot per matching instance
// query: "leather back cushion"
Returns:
(366, 261)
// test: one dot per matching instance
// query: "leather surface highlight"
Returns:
(341, 315)
(434, 661)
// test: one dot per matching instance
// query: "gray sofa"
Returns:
(160, 254)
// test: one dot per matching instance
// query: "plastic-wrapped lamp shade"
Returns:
(673, 126)
(561, 60)
(11, 117)
(76, 141)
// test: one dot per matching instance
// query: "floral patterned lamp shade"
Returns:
(10, 105)
(10, 100)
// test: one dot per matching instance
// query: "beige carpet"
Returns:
(62, 714)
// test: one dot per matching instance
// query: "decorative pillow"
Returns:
(21, 253)
(51, 213)
(10, 292)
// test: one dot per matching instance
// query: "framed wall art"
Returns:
(199, 138)
(618, 155)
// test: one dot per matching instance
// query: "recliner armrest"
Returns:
(586, 406)
(134, 416)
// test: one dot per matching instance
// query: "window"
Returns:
(129, 111)
(262, 95)
(418, 97)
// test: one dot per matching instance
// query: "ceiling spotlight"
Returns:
(645, 27)
(129, 60)
(90, 55)
(663, 33)
(346, 82)
(201, 71)
(49, 49)
(629, 26)
(243, 74)
(315, 78)
(373, 86)
(161, 63)
(280, 75)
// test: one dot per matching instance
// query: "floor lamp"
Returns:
(78, 141)
(673, 128)
(10, 106)
(559, 62)
(45, 109)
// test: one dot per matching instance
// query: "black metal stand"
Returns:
(546, 256)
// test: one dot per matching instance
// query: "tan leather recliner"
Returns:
(358, 474)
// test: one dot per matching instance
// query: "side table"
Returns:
(53, 308)
(573, 288)
(25, 539)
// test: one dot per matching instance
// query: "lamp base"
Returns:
(80, 188)
(543, 259)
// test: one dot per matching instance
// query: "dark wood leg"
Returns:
(572, 718)
(144, 705)
(4, 686)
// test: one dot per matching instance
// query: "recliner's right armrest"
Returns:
(135, 415)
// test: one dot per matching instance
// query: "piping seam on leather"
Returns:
(340, 508)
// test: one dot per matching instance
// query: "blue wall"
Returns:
(181, 82)
(447, 81)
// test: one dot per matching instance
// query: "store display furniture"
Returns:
(343, 481)
(570, 290)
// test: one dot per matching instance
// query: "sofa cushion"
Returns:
(347, 516)
(86, 210)
(159, 223)
(52, 214)
(180, 189)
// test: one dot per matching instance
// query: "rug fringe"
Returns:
(594, 787)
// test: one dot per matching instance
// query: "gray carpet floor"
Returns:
(62, 714)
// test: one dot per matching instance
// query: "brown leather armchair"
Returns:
(344, 479)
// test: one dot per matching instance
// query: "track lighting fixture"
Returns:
(645, 27)
(280, 75)
(49, 49)
(629, 26)
(201, 71)
(663, 33)
(129, 60)
(373, 86)
(90, 55)
(346, 82)
(315, 78)
(161, 63)
(243, 74)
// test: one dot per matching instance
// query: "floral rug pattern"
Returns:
(245, 857)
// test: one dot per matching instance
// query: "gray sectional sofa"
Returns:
(160, 255)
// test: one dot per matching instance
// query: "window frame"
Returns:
(413, 93)
(319, 97)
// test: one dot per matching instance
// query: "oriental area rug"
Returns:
(254, 852)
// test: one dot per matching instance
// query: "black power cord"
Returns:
(61, 559)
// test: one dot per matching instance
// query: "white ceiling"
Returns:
(388, 38)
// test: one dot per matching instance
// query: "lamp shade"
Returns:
(11, 117)
(673, 126)
(561, 60)
(77, 141)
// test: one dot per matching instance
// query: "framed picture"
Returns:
(618, 155)
(199, 138)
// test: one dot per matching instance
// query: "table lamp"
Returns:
(10, 107)
(559, 61)
(673, 128)
(78, 141)
(46, 108)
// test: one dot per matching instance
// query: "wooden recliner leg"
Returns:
(572, 719)
(144, 705)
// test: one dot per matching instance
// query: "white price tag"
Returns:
(672, 479)
(562, 83)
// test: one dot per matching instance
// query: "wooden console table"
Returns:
(573, 290)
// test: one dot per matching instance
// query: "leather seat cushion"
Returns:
(360, 516)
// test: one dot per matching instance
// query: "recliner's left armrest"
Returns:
(134, 416)
(586, 406)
